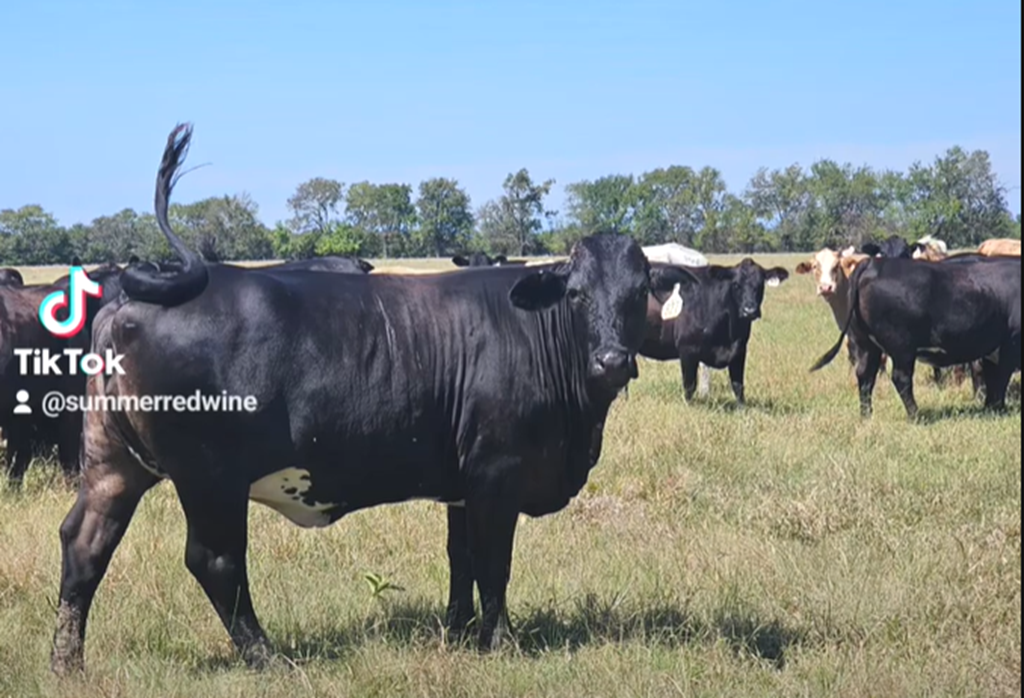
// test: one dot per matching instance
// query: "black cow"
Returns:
(485, 392)
(20, 328)
(11, 277)
(482, 259)
(943, 314)
(713, 328)
(337, 265)
(893, 247)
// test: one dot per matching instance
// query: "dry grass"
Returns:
(786, 550)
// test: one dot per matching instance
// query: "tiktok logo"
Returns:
(79, 286)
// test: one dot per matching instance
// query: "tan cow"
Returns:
(832, 271)
(930, 249)
(1000, 247)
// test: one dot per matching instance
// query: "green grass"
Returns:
(786, 550)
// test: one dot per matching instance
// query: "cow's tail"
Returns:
(178, 285)
(854, 302)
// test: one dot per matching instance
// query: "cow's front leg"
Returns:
(461, 610)
(689, 368)
(737, 370)
(492, 511)
(217, 518)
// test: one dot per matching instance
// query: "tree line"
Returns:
(957, 197)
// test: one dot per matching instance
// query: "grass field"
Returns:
(786, 550)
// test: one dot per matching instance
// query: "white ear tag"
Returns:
(773, 282)
(673, 306)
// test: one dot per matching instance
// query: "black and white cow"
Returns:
(944, 314)
(487, 392)
(482, 259)
(893, 247)
(709, 321)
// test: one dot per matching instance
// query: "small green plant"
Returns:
(380, 585)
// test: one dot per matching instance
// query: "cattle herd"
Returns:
(485, 390)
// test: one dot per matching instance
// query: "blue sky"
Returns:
(399, 91)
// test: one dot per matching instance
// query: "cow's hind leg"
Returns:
(110, 490)
(868, 362)
(903, 380)
(216, 514)
(997, 377)
(460, 598)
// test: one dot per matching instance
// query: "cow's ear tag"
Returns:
(673, 306)
(773, 282)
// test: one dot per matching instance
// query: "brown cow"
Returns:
(1000, 247)
(832, 270)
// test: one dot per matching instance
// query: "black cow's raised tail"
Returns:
(147, 283)
(854, 302)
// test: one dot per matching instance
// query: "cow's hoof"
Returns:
(66, 665)
(262, 658)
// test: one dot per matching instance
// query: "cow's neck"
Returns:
(586, 404)
(840, 300)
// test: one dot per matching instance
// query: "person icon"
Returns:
(22, 407)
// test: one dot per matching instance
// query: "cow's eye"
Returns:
(575, 295)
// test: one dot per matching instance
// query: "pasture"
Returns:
(789, 549)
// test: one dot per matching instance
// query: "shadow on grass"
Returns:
(728, 404)
(593, 622)
(974, 411)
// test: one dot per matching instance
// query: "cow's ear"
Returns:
(871, 249)
(364, 265)
(803, 268)
(665, 278)
(460, 261)
(538, 291)
(776, 276)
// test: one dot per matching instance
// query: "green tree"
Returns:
(960, 197)
(30, 235)
(607, 203)
(782, 202)
(738, 229)
(666, 206)
(314, 205)
(849, 203)
(383, 210)
(511, 223)
(709, 193)
(445, 217)
(223, 228)
(344, 240)
(118, 237)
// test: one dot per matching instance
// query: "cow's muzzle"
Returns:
(750, 313)
(614, 366)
